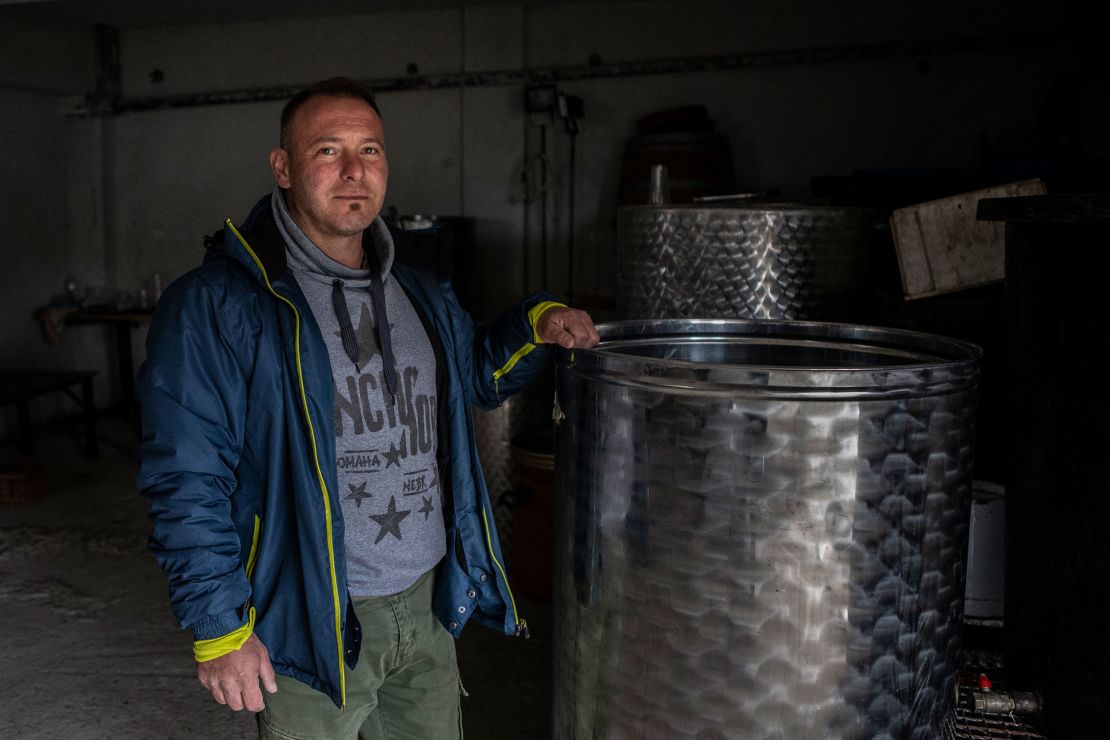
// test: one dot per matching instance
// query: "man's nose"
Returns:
(353, 168)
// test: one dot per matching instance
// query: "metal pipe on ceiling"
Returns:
(597, 70)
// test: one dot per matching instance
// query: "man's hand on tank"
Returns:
(233, 678)
(569, 328)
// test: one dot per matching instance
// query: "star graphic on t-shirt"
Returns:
(357, 494)
(393, 457)
(427, 508)
(390, 521)
(367, 338)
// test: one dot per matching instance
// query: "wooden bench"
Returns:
(20, 386)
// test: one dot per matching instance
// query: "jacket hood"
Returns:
(306, 255)
(261, 232)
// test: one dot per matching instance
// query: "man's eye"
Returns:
(327, 150)
(371, 150)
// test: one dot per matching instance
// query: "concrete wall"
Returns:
(170, 176)
(50, 202)
(462, 152)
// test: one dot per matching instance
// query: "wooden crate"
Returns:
(942, 247)
(21, 484)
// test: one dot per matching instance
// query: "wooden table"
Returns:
(122, 322)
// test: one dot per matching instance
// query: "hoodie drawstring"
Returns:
(346, 330)
(350, 339)
(389, 364)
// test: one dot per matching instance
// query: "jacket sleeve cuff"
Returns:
(210, 648)
(534, 314)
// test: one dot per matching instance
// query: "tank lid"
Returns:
(779, 358)
(726, 208)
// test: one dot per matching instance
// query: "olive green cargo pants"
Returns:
(405, 686)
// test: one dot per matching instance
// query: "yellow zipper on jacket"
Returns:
(504, 369)
(254, 545)
(315, 459)
(534, 314)
(205, 650)
(521, 624)
(533, 318)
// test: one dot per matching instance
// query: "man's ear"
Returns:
(279, 163)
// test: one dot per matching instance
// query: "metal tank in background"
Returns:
(744, 261)
(493, 435)
(526, 413)
(761, 530)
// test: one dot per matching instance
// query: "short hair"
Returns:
(336, 87)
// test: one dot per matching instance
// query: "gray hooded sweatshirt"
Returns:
(385, 411)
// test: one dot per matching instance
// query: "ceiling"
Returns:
(140, 13)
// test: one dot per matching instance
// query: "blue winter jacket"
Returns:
(238, 454)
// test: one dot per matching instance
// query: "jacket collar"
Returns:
(261, 233)
(422, 250)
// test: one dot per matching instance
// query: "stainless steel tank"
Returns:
(755, 261)
(761, 530)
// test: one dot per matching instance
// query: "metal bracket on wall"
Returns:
(105, 99)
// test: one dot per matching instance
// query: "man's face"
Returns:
(334, 169)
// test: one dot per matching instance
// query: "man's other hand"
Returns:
(233, 678)
(569, 328)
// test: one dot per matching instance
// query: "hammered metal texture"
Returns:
(739, 563)
(494, 431)
(753, 262)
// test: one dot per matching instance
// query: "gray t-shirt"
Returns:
(385, 447)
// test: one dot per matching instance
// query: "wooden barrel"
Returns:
(698, 163)
(533, 455)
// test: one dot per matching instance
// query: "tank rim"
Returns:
(934, 363)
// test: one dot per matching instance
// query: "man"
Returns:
(308, 450)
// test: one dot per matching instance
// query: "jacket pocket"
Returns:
(460, 553)
(256, 540)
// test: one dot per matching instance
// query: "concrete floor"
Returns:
(91, 649)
